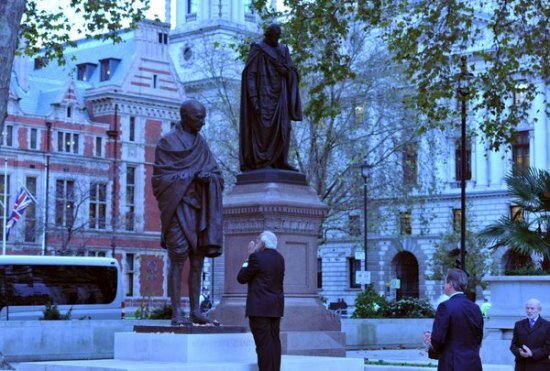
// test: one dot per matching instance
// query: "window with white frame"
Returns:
(98, 150)
(98, 205)
(33, 138)
(67, 142)
(7, 136)
(132, 129)
(64, 202)
(129, 267)
(4, 193)
(30, 211)
(130, 198)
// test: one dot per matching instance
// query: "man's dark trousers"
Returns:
(268, 345)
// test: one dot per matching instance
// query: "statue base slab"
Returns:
(191, 352)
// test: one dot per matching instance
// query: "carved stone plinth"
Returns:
(282, 202)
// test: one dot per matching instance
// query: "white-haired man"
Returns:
(264, 272)
(531, 340)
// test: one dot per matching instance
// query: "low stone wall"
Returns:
(385, 332)
(22, 341)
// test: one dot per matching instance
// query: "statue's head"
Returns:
(192, 114)
(273, 34)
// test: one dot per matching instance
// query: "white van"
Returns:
(88, 286)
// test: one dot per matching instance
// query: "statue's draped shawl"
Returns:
(197, 206)
(263, 136)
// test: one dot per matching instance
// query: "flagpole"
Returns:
(5, 206)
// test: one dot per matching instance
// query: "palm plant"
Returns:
(528, 230)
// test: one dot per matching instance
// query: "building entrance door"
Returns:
(406, 270)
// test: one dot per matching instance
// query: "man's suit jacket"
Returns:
(264, 275)
(537, 339)
(456, 335)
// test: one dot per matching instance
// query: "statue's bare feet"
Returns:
(201, 319)
(181, 321)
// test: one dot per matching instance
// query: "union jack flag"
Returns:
(21, 202)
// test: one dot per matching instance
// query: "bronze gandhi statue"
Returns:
(188, 185)
(270, 99)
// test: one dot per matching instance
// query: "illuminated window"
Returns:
(516, 213)
(108, 67)
(405, 226)
(457, 217)
(64, 202)
(7, 136)
(67, 142)
(520, 150)
(98, 205)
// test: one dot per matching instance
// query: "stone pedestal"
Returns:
(146, 351)
(282, 202)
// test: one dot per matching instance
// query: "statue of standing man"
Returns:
(188, 185)
(270, 99)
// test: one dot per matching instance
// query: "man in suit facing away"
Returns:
(531, 340)
(264, 271)
(457, 330)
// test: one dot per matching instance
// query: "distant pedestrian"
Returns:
(531, 340)
(485, 306)
(457, 330)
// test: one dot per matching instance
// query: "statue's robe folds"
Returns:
(265, 135)
(196, 205)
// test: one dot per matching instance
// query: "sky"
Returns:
(157, 9)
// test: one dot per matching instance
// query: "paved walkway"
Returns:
(408, 356)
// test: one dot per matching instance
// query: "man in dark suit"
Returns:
(457, 330)
(264, 271)
(531, 341)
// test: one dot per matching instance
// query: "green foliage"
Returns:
(369, 304)
(165, 312)
(527, 272)
(409, 308)
(428, 39)
(447, 255)
(530, 232)
(48, 31)
(51, 313)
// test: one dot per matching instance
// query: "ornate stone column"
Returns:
(280, 201)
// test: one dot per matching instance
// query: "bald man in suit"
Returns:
(531, 340)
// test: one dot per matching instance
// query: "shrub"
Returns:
(369, 304)
(409, 308)
(165, 312)
(526, 272)
(51, 313)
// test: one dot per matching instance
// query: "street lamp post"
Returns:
(463, 92)
(365, 173)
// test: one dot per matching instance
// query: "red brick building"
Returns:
(81, 138)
